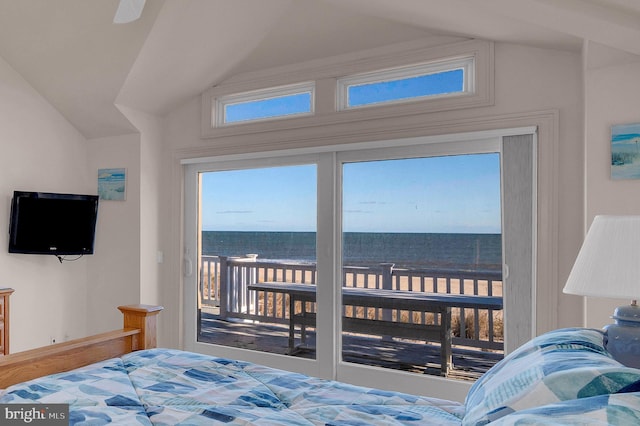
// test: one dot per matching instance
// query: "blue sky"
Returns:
(269, 199)
(424, 85)
(440, 194)
(271, 107)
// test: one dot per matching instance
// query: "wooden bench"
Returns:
(439, 304)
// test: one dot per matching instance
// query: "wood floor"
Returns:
(398, 354)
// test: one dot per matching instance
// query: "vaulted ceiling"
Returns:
(71, 52)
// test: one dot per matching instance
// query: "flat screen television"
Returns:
(48, 223)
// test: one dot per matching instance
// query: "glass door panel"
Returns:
(257, 242)
(422, 264)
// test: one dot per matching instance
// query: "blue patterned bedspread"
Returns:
(169, 387)
(564, 377)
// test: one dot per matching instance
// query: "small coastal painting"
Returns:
(625, 151)
(112, 184)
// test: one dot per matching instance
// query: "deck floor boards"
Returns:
(398, 354)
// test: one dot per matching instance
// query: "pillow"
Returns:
(602, 410)
(561, 365)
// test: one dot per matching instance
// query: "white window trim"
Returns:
(325, 72)
(262, 95)
(467, 64)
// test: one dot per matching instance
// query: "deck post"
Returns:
(246, 275)
(387, 273)
(144, 318)
(223, 286)
(387, 284)
(446, 359)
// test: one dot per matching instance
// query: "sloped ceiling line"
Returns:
(83, 64)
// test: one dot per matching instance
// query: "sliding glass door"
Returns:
(382, 267)
(422, 254)
(257, 226)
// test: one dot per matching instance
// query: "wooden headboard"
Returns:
(138, 332)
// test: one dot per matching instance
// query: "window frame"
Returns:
(221, 103)
(325, 75)
(467, 64)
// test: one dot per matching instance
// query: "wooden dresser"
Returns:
(4, 320)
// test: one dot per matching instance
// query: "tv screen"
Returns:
(47, 223)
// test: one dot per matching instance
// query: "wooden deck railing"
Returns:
(478, 328)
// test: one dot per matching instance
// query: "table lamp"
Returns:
(608, 265)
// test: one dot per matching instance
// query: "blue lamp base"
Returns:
(622, 339)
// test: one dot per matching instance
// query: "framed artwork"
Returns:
(625, 151)
(112, 184)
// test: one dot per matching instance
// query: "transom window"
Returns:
(417, 82)
(272, 103)
(423, 79)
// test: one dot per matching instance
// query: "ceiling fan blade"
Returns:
(128, 11)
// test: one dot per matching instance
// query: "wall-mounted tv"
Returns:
(48, 223)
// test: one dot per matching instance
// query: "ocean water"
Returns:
(405, 250)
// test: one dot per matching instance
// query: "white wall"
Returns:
(114, 270)
(129, 256)
(612, 96)
(150, 181)
(41, 151)
(527, 80)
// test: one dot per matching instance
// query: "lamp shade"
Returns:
(608, 264)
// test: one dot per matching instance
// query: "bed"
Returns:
(564, 377)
